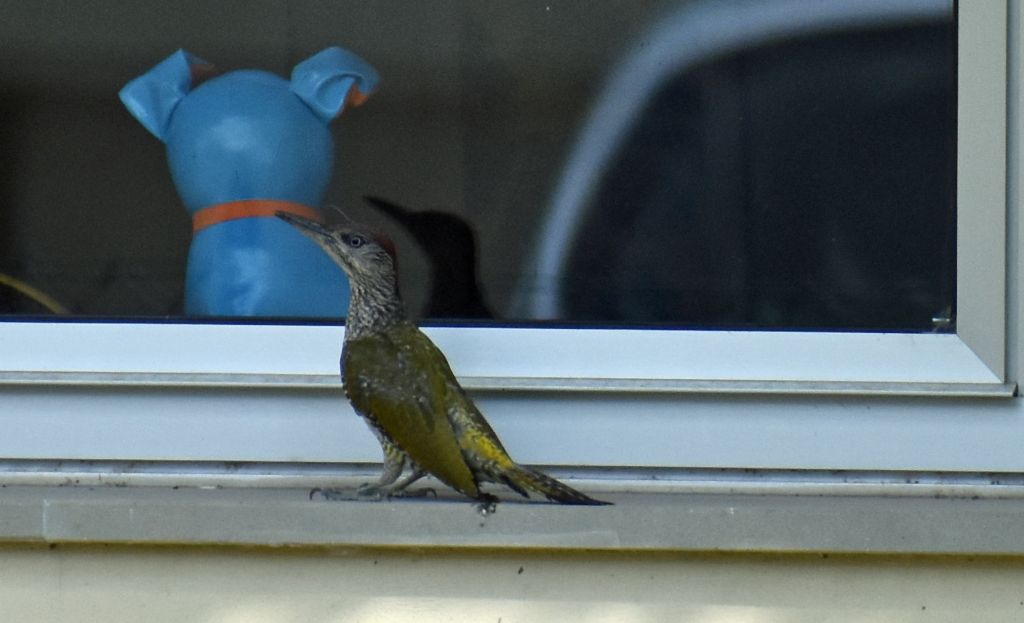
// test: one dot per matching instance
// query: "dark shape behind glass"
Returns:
(451, 249)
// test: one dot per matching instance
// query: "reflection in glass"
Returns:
(697, 163)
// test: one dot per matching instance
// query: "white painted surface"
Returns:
(667, 431)
(111, 585)
(501, 352)
(563, 428)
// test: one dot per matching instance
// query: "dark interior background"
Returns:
(805, 183)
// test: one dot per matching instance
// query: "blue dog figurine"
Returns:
(242, 146)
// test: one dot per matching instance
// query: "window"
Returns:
(155, 389)
(752, 184)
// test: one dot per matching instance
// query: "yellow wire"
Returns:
(34, 293)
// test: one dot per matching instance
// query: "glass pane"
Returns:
(706, 164)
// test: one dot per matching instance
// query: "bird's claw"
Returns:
(413, 493)
(369, 491)
(377, 492)
(488, 505)
(336, 495)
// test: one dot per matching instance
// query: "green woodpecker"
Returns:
(401, 383)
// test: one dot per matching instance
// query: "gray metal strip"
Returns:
(518, 384)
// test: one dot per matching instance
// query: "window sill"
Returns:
(637, 522)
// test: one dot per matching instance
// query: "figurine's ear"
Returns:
(332, 78)
(152, 97)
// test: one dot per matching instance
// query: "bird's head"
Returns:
(364, 255)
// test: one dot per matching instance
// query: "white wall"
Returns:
(97, 583)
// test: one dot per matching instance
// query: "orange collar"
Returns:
(248, 208)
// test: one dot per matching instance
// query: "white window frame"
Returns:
(574, 397)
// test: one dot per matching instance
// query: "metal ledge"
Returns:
(637, 522)
(596, 480)
(518, 384)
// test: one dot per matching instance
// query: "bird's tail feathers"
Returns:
(524, 479)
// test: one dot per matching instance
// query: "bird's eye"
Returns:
(355, 241)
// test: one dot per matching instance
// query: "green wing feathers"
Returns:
(388, 378)
(402, 381)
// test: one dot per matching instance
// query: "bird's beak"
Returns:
(320, 234)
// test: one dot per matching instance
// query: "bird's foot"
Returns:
(412, 493)
(379, 492)
(369, 492)
(487, 505)
(362, 493)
